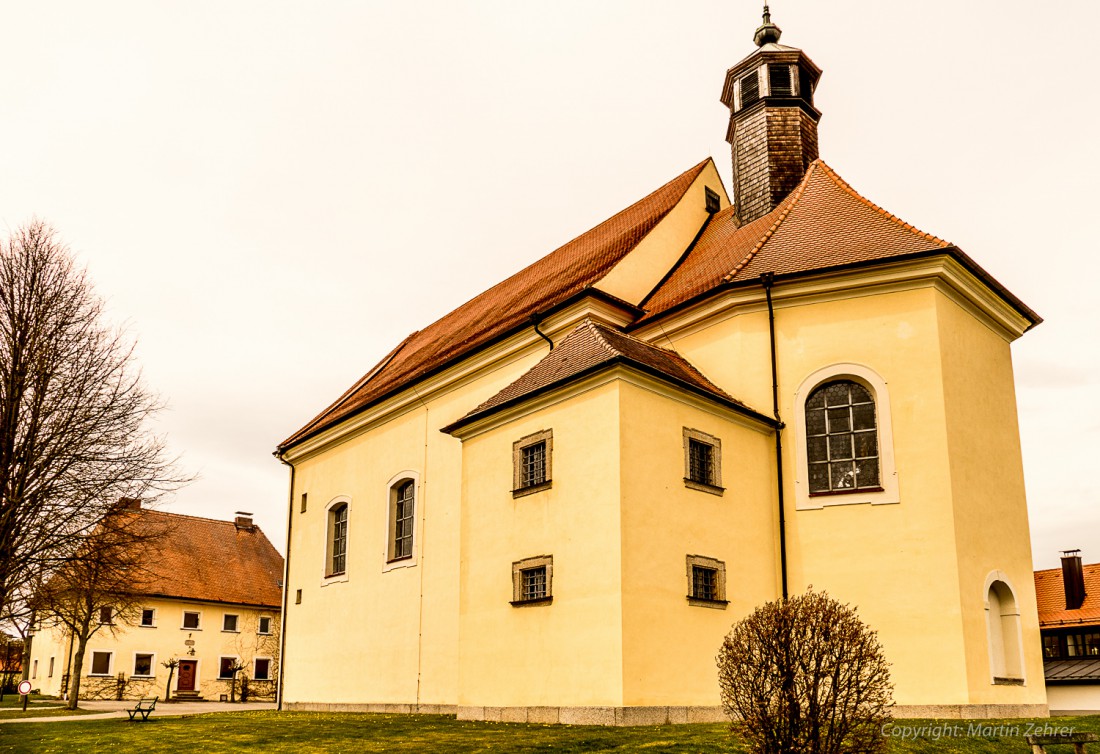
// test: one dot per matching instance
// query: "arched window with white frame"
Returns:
(337, 515)
(843, 439)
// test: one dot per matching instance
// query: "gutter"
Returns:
(768, 280)
(286, 590)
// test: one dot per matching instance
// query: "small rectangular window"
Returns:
(101, 663)
(34, 669)
(532, 580)
(227, 667)
(229, 623)
(147, 615)
(265, 625)
(191, 621)
(1051, 648)
(262, 670)
(105, 615)
(298, 597)
(706, 581)
(702, 461)
(304, 502)
(143, 665)
(50, 674)
(531, 463)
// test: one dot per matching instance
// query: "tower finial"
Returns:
(768, 32)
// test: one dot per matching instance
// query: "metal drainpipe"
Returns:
(535, 321)
(286, 590)
(768, 280)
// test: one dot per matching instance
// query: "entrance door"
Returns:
(187, 675)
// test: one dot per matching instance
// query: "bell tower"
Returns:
(773, 121)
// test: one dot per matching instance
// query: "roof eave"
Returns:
(609, 363)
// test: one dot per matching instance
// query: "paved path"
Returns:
(109, 710)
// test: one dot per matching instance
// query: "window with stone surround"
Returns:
(706, 582)
(702, 461)
(531, 463)
(532, 581)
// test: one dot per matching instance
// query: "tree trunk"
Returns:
(168, 688)
(78, 668)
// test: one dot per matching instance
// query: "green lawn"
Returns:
(343, 732)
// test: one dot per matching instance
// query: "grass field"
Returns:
(286, 732)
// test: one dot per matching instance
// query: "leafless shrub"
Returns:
(806, 675)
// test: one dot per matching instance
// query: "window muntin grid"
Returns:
(403, 521)
(700, 462)
(841, 438)
(533, 583)
(704, 583)
(532, 461)
(339, 539)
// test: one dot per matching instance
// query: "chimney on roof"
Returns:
(243, 521)
(773, 122)
(1073, 579)
(129, 504)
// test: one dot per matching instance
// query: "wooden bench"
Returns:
(143, 708)
(1077, 739)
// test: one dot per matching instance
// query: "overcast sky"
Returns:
(271, 195)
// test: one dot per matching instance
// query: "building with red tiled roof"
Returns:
(552, 503)
(207, 594)
(1068, 599)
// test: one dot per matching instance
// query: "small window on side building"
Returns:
(148, 616)
(532, 580)
(261, 670)
(531, 463)
(143, 665)
(264, 625)
(226, 667)
(105, 615)
(229, 623)
(702, 461)
(706, 581)
(101, 663)
(191, 620)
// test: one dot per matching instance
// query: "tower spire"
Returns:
(768, 32)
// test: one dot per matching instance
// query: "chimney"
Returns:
(129, 504)
(773, 122)
(1073, 578)
(243, 521)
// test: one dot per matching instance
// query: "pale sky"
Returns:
(271, 195)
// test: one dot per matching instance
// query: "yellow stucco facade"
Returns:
(614, 635)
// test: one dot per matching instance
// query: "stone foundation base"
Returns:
(622, 716)
(595, 715)
(970, 711)
(389, 709)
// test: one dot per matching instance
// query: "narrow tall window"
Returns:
(533, 465)
(338, 533)
(402, 519)
(750, 89)
(702, 461)
(779, 80)
(841, 439)
(1003, 625)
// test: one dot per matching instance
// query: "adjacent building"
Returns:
(551, 504)
(1069, 620)
(212, 601)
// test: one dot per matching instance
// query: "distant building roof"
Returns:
(589, 347)
(211, 561)
(1050, 597)
(1071, 671)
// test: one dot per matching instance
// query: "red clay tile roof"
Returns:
(592, 345)
(507, 305)
(823, 223)
(1050, 598)
(212, 561)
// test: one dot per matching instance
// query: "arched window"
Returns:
(1003, 624)
(337, 539)
(842, 449)
(402, 519)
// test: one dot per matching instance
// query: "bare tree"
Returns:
(806, 675)
(99, 586)
(73, 414)
(171, 663)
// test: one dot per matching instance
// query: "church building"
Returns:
(553, 503)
